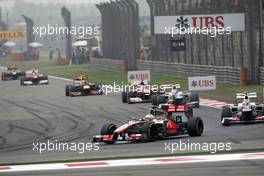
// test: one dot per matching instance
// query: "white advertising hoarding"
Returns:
(138, 76)
(201, 83)
(234, 21)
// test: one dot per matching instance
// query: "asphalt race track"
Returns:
(234, 168)
(38, 113)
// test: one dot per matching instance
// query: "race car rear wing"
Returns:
(137, 82)
(31, 71)
(249, 95)
(11, 68)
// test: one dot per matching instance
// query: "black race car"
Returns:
(138, 93)
(12, 74)
(81, 88)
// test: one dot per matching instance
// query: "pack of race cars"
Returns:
(30, 77)
(171, 114)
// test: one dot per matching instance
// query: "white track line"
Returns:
(60, 78)
(134, 162)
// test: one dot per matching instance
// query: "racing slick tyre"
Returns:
(154, 100)
(23, 74)
(67, 90)
(226, 112)
(46, 78)
(195, 126)
(150, 132)
(195, 97)
(130, 95)
(260, 108)
(124, 97)
(3, 76)
(157, 100)
(22, 82)
(108, 129)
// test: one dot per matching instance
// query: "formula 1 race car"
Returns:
(139, 93)
(168, 120)
(12, 74)
(33, 77)
(81, 87)
(245, 112)
(170, 93)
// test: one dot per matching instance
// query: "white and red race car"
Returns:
(244, 112)
(33, 77)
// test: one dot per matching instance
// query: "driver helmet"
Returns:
(174, 90)
(246, 101)
(149, 117)
(34, 71)
(80, 79)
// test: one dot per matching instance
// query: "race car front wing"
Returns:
(237, 120)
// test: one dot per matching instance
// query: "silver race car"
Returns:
(243, 112)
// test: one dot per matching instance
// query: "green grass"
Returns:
(224, 92)
(103, 77)
(27, 65)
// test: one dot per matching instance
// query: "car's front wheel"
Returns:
(226, 112)
(150, 131)
(3, 76)
(195, 126)
(22, 81)
(130, 95)
(67, 90)
(108, 129)
(124, 97)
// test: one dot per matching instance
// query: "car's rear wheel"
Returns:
(158, 99)
(194, 97)
(150, 132)
(108, 129)
(195, 126)
(161, 99)
(154, 100)
(124, 97)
